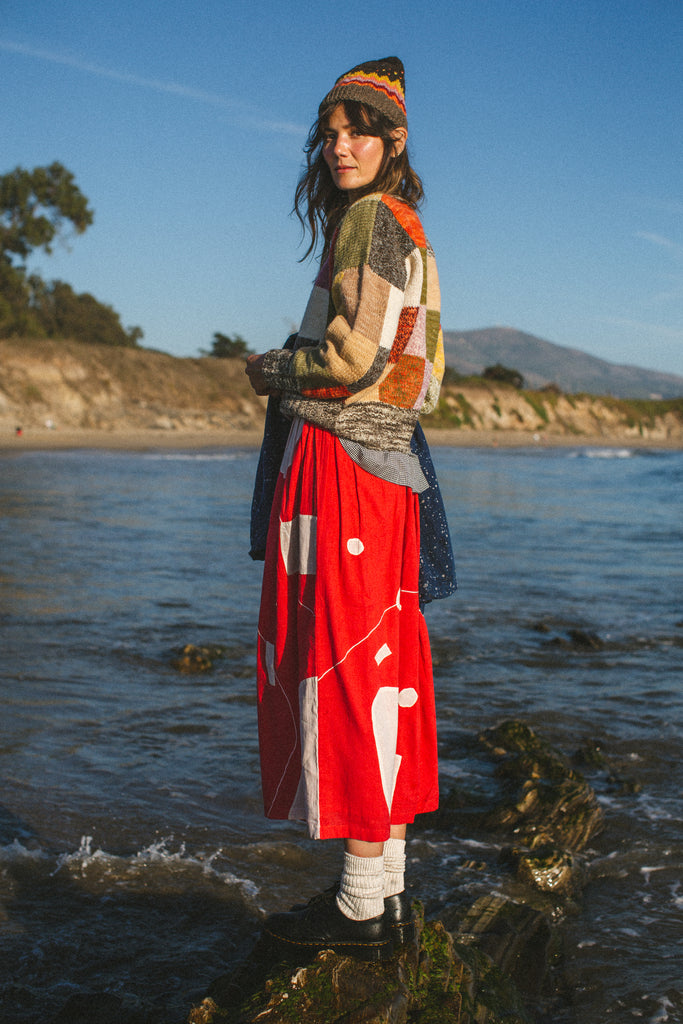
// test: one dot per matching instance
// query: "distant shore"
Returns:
(134, 399)
(42, 439)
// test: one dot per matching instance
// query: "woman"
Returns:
(346, 706)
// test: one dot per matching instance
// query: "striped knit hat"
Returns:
(378, 83)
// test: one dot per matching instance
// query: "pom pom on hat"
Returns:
(377, 83)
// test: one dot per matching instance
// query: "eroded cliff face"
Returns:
(73, 386)
(552, 414)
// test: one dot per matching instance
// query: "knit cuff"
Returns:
(276, 364)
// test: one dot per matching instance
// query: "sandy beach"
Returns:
(42, 439)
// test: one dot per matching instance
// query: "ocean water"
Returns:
(134, 857)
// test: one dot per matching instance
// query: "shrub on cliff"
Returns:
(504, 375)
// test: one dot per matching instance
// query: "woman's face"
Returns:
(354, 160)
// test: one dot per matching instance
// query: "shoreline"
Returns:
(134, 439)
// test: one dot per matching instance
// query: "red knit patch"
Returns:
(406, 323)
(324, 278)
(341, 391)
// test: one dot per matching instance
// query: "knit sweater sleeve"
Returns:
(368, 281)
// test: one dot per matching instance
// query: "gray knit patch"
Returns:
(373, 424)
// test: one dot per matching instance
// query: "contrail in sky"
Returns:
(664, 243)
(239, 110)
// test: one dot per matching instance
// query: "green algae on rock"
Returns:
(436, 980)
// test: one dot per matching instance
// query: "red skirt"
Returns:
(347, 727)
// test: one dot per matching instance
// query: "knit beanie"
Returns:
(377, 83)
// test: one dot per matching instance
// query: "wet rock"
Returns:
(440, 979)
(193, 659)
(549, 869)
(545, 801)
(578, 640)
(513, 936)
(624, 785)
(585, 640)
(591, 756)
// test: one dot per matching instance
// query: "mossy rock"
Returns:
(545, 800)
(193, 659)
(436, 980)
(548, 869)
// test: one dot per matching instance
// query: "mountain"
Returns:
(542, 362)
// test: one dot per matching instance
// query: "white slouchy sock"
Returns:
(394, 866)
(361, 889)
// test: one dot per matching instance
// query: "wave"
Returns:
(226, 456)
(603, 453)
(157, 863)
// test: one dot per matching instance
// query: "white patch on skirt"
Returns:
(306, 803)
(298, 545)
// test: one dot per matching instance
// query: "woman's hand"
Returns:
(254, 371)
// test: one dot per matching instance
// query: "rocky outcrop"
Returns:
(440, 979)
(547, 806)
(484, 964)
(493, 961)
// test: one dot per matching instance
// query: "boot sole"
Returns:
(370, 952)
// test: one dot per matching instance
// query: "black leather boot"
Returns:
(398, 914)
(321, 925)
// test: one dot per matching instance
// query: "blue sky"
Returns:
(547, 133)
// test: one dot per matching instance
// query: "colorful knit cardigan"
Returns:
(369, 353)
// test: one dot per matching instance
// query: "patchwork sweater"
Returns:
(369, 356)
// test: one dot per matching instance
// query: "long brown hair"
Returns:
(319, 204)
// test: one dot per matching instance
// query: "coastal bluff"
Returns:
(52, 390)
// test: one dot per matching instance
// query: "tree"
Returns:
(34, 206)
(504, 375)
(62, 313)
(225, 347)
(37, 207)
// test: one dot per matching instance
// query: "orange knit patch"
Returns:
(407, 218)
(403, 385)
